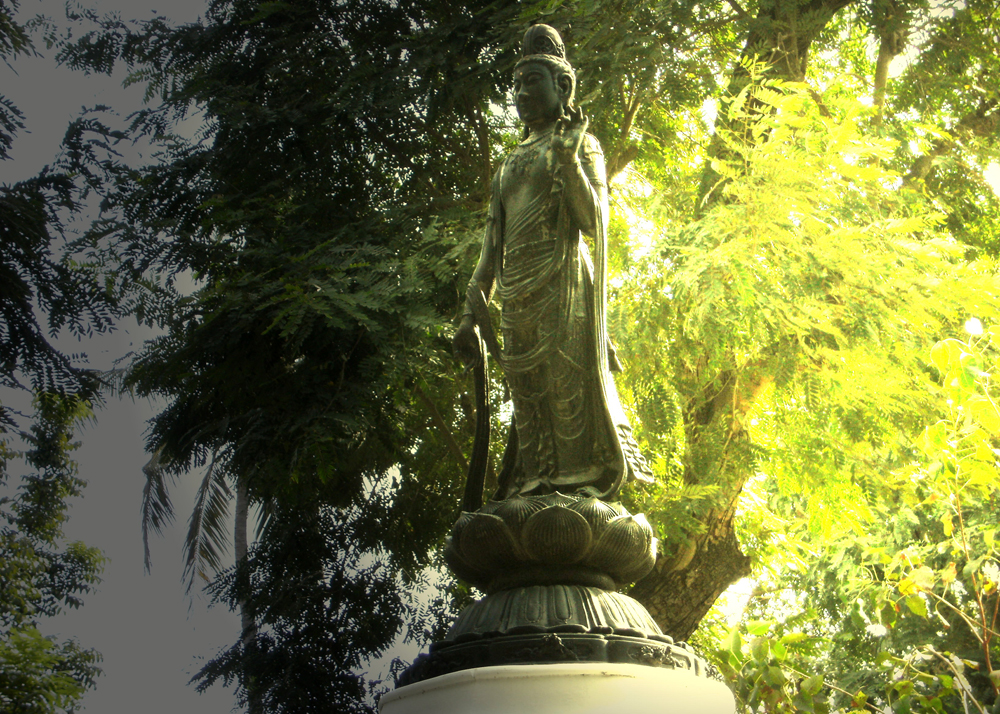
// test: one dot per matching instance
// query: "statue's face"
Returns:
(536, 96)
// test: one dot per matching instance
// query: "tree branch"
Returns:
(892, 31)
(983, 122)
(626, 155)
(621, 159)
(482, 135)
(439, 422)
(743, 15)
(885, 56)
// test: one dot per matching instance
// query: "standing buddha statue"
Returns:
(549, 197)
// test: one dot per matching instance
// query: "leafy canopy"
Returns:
(778, 282)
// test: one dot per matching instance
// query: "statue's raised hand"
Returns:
(567, 136)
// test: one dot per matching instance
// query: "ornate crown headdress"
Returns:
(543, 42)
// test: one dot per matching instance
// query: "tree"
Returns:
(711, 414)
(67, 295)
(43, 291)
(288, 371)
(312, 564)
(770, 306)
(40, 575)
(901, 616)
(780, 275)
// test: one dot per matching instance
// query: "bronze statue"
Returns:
(550, 550)
(569, 432)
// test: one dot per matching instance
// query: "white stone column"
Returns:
(574, 688)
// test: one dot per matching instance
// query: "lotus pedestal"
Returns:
(553, 634)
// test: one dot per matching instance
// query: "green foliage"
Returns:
(37, 274)
(36, 675)
(776, 347)
(32, 278)
(797, 307)
(324, 228)
(940, 103)
(40, 575)
(316, 566)
(765, 668)
(902, 615)
(44, 290)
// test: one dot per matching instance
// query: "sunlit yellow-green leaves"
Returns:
(917, 588)
(766, 668)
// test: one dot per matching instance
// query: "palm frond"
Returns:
(157, 510)
(207, 539)
(265, 514)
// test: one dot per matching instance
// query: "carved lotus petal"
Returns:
(505, 540)
(516, 511)
(491, 506)
(463, 520)
(618, 508)
(487, 542)
(633, 571)
(596, 512)
(625, 545)
(557, 535)
(464, 570)
(555, 499)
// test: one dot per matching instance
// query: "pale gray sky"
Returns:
(151, 636)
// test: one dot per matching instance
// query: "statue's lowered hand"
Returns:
(567, 137)
(465, 344)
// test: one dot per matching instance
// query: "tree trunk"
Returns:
(682, 588)
(782, 33)
(983, 122)
(780, 37)
(240, 546)
(892, 30)
(885, 55)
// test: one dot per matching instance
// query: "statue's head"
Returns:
(543, 49)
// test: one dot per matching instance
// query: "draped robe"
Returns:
(568, 430)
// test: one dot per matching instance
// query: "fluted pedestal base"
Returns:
(573, 688)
